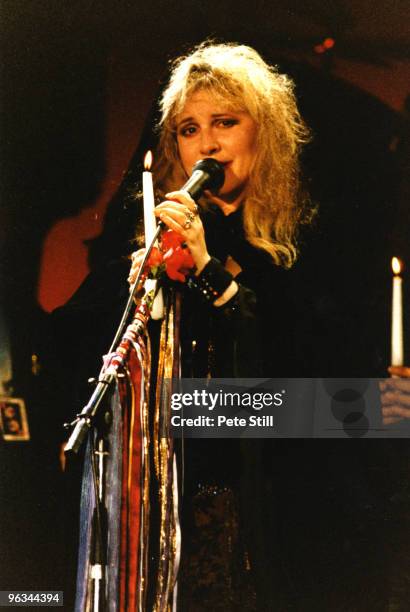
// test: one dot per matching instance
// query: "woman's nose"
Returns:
(209, 143)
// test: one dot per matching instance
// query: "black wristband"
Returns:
(212, 282)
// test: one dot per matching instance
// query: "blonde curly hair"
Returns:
(273, 205)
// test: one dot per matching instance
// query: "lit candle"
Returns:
(150, 227)
(150, 224)
(397, 315)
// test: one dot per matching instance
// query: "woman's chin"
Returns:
(230, 196)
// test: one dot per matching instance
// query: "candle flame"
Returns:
(396, 265)
(148, 160)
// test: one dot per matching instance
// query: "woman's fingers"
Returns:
(185, 216)
(180, 213)
(171, 222)
(182, 218)
(138, 254)
(136, 260)
(179, 216)
(401, 385)
(402, 371)
(396, 411)
(395, 396)
(180, 207)
(391, 420)
(184, 198)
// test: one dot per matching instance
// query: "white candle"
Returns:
(150, 227)
(397, 315)
(150, 224)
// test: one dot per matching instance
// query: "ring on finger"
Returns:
(189, 214)
(187, 224)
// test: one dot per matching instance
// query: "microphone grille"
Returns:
(215, 171)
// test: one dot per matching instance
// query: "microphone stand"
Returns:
(98, 541)
(86, 421)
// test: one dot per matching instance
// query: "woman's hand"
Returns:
(180, 213)
(136, 260)
(395, 396)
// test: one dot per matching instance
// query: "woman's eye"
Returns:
(187, 130)
(227, 122)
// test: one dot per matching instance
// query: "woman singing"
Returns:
(224, 102)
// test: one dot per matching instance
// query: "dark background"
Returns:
(78, 82)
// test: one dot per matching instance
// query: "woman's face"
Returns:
(207, 128)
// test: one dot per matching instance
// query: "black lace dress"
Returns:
(224, 556)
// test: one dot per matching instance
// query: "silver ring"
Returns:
(187, 224)
(189, 214)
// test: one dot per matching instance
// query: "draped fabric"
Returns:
(165, 462)
(140, 475)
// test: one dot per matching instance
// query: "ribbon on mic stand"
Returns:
(130, 488)
(125, 480)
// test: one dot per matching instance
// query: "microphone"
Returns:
(207, 173)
